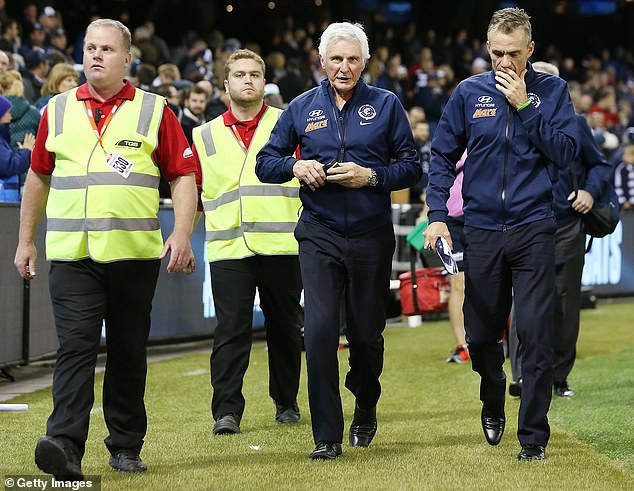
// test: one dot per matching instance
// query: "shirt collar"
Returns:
(230, 119)
(126, 92)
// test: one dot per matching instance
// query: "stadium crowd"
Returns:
(37, 61)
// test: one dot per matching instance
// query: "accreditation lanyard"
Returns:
(89, 111)
(238, 137)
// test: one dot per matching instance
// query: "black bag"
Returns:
(603, 218)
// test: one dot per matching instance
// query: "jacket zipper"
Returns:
(506, 151)
(341, 122)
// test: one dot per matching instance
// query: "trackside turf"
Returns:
(429, 433)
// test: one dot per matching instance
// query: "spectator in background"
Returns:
(24, 117)
(59, 45)
(145, 75)
(159, 44)
(455, 224)
(391, 79)
(36, 70)
(10, 40)
(292, 83)
(217, 99)
(168, 73)
(12, 162)
(624, 179)
(194, 104)
(173, 97)
(50, 20)
(5, 62)
(420, 129)
(36, 40)
(275, 67)
(62, 77)
(272, 96)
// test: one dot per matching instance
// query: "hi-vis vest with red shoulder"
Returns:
(93, 211)
(243, 216)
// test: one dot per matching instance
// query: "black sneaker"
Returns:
(54, 457)
(562, 389)
(515, 388)
(127, 461)
(228, 424)
(531, 452)
(287, 414)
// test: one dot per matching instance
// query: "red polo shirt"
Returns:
(246, 129)
(172, 155)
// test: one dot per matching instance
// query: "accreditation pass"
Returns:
(119, 164)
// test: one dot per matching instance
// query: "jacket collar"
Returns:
(359, 90)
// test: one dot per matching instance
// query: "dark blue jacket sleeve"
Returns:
(274, 162)
(555, 139)
(447, 147)
(405, 168)
(13, 162)
(596, 168)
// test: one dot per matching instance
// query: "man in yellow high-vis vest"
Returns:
(99, 154)
(250, 244)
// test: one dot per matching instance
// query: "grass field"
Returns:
(429, 433)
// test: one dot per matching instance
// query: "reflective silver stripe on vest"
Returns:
(147, 110)
(232, 233)
(228, 197)
(208, 140)
(60, 107)
(104, 179)
(273, 227)
(101, 224)
(257, 190)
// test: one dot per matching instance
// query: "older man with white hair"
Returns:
(356, 147)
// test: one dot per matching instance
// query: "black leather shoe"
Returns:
(363, 427)
(562, 389)
(326, 451)
(227, 425)
(54, 457)
(493, 422)
(127, 461)
(287, 414)
(531, 452)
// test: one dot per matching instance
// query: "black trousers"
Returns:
(569, 261)
(233, 284)
(521, 261)
(84, 295)
(357, 268)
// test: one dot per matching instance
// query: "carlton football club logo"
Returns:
(534, 98)
(367, 112)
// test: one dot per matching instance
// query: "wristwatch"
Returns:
(373, 179)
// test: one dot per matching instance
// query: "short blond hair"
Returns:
(126, 38)
(509, 20)
(243, 54)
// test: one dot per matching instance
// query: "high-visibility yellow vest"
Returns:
(92, 211)
(243, 216)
